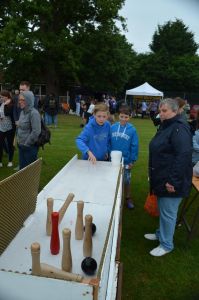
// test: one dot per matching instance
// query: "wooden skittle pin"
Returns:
(79, 227)
(87, 244)
(50, 202)
(64, 207)
(45, 270)
(66, 254)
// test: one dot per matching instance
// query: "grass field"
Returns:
(172, 277)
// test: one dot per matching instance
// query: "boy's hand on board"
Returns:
(91, 157)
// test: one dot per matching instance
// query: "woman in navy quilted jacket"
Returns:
(170, 171)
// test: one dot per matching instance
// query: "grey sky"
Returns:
(143, 17)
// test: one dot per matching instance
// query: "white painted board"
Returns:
(94, 184)
(23, 287)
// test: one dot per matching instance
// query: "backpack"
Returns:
(44, 136)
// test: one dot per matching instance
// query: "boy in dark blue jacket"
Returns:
(94, 140)
(125, 139)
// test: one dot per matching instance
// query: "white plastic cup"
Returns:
(116, 157)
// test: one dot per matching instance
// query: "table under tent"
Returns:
(144, 92)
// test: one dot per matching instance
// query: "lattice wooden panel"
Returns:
(18, 195)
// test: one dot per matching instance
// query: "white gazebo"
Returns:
(144, 90)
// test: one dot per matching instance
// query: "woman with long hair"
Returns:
(7, 126)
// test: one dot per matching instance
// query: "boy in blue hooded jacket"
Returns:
(94, 140)
(124, 138)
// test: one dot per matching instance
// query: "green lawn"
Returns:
(172, 277)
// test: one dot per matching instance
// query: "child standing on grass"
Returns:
(94, 140)
(124, 138)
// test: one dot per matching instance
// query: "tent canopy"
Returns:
(144, 90)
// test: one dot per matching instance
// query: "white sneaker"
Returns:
(1, 165)
(151, 236)
(159, 251)
(10, 164)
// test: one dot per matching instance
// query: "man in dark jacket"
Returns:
(170, 171)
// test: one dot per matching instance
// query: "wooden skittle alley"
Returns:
(79, 189)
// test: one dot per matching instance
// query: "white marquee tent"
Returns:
(144, 90)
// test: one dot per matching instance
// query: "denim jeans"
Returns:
(27, 155)
(49, 120)
(168, 208)
(77, 108)
(127, 176)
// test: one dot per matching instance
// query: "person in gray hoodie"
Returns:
(29, 128)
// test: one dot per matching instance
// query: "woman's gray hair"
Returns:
(172, 103)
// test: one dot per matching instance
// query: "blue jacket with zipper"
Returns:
(95, 138)
(125, 139)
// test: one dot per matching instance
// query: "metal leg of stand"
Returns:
(191, 226)
(185, 207)
(194, 226)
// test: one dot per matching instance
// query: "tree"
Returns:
(173, 64)
(112, 56)
(40, 38)
(175, 54)
(173, 39)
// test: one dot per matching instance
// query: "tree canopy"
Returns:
(173, 64)
(174, 39)
(63, 42)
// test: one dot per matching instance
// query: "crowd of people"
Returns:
(84, 107)
(150, 108)
(20, 123)
(173, 151)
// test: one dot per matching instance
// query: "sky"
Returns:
(144, 16)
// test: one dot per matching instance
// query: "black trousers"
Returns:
(9, 136)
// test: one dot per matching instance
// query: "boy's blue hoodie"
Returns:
(95, 138)
(125, 139)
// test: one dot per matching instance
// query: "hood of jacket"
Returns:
(92, 123)
(29, 99)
